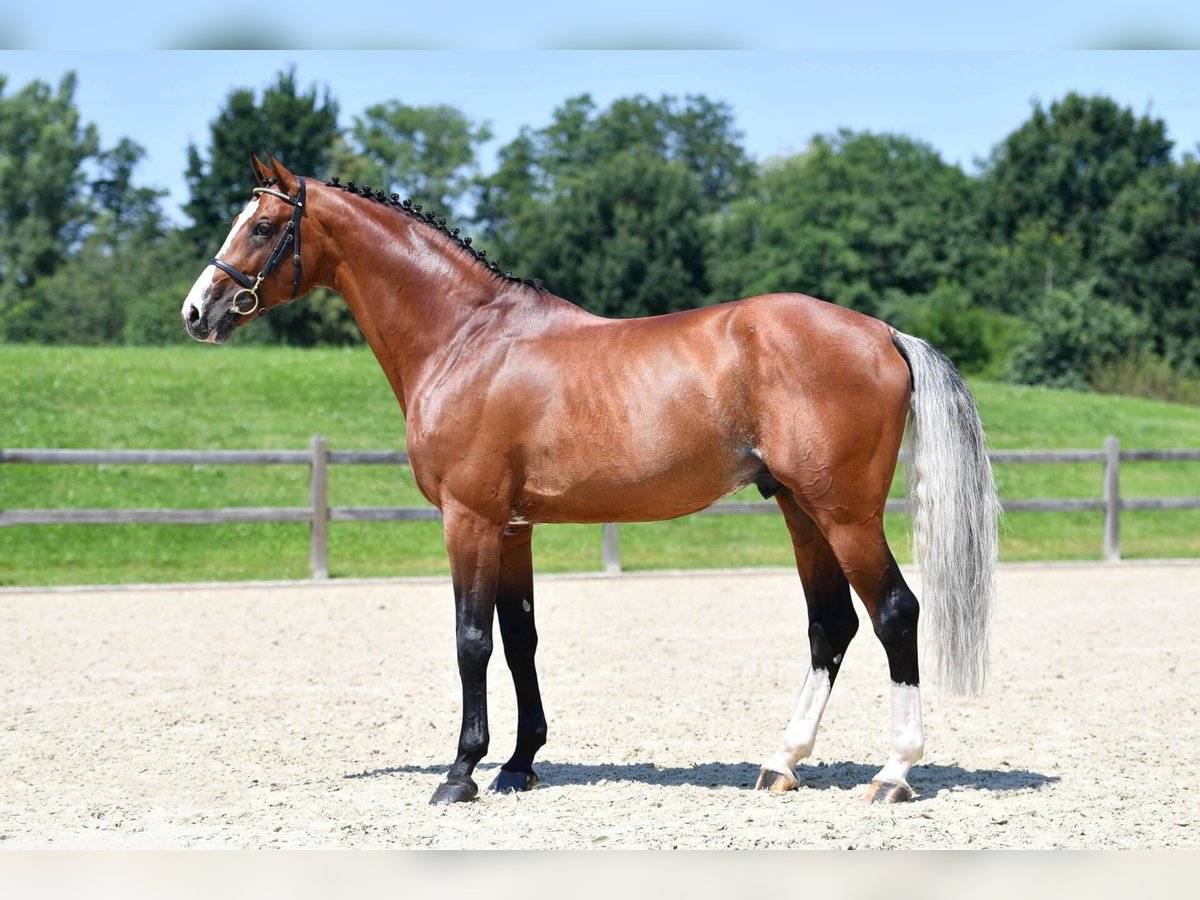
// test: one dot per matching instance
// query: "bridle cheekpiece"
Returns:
(290, 235)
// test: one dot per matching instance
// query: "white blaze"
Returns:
(198, 296)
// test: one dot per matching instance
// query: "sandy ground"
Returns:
(323, 715)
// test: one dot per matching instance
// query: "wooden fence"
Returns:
(319, 513)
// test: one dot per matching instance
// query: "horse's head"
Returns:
(259, 265)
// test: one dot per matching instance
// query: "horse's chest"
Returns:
(443, 456)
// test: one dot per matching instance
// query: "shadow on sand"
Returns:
(927, 781)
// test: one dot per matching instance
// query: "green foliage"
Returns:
(1084, 199)
(624, 239)
(110, 294)
(322, 317)
(123, 211)
(855, 218)
(43, 203)
(1017, 273)
(1148, 258)
(152, 285)
(978, 340)
(1071, 336)
(1047, 194)
(86, 252)
(427, 153)
(607, 207)
(1073, 257)
(298, 127)
(1066, 165)
(1142, 373)
(695, 132)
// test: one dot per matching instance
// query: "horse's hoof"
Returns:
(775, 782)
(884, 792)
(457, 791)
(507, 782)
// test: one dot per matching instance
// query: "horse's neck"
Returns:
(411, 291)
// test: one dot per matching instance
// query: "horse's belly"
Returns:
(630, 493)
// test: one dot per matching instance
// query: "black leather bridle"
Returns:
(290, 235)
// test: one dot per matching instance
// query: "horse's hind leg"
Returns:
(514, 608)
(832, 624)
(867, 561)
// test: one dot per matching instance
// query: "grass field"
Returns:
(277, 398)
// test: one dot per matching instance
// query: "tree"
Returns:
(1084, 197)
(43, 204)
(1071, 336)
(1066, 165)
(299, 128)
(1148, 258)
(122, 210)
(78, 252)
(1047, 191)
(625, 239)
(114, 277)
(607, 207)
(860, 219)
(427, 153)
(695, 133)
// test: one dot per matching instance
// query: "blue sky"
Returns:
(961, 101)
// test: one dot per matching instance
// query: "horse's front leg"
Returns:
(473, 542)
(514, 610)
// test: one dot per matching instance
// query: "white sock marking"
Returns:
(908, 737)
(801, 733)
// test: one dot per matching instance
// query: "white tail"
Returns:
(954, 513)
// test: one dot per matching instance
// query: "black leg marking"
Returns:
(518, 632)
(474, 548)
(894, 618)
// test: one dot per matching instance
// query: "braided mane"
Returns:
(428, 217)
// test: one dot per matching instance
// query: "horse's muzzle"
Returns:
(212, 325)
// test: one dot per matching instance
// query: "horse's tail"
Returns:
(954, 515)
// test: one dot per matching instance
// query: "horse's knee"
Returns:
(474, 649)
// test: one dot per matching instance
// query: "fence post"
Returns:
(1112, 498)
(318, 493)
(612, 548)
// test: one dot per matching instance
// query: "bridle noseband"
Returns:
(291, 235)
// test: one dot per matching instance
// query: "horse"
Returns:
(523, 409)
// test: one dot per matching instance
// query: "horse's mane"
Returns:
(428, 217)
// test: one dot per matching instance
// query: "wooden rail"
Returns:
(319, 513)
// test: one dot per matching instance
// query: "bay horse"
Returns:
(524, 409)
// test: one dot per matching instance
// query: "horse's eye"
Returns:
(262, 229)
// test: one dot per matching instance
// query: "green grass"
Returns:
(277, 398)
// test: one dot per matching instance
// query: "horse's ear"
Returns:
(261, 173)
(287, 181)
